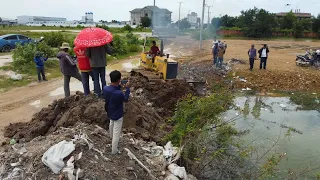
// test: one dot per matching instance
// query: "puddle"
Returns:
(75, 85)
(36, 103)
(267, 118)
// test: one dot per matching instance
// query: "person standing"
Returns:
(252, 56)
(215, 51)
(68, 67)
(85, 69)
(98, 63)
(221, 53)
(263, 55)
(114, 99)
(39, 60)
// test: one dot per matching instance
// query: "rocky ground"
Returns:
(151, 103)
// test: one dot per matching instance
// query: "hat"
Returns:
(65, 46)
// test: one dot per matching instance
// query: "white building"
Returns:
(40, 20)
(88, 18)
(193, 19)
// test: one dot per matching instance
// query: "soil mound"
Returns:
(27, 164)
(150, 104)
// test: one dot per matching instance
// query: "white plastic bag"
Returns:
(53, 157)
(16, 77)
(178, 171)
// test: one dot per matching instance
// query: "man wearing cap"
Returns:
(263, 55)
(68, 67)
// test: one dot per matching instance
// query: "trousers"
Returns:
(66, 85)
(115, 132)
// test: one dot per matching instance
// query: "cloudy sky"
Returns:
(119, 9)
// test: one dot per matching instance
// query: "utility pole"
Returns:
(180, 2)
(208, 14)
(154, 2)
(201, 27)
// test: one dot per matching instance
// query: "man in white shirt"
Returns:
(263, 55)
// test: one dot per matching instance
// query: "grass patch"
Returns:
(52, 71)
(6, 83)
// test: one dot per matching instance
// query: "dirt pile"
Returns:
(161, 94)
(23, 160)
(279, 80)
(150, 104)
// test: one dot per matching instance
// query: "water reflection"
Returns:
(268, 118)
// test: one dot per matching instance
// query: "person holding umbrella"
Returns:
(98, 62)
(68, 67)
(96, 41)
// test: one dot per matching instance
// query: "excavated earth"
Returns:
(150, 104)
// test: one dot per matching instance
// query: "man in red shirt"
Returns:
(85, 68)
(154, 50)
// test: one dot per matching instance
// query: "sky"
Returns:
(119, 9)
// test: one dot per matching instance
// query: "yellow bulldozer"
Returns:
(161, 65)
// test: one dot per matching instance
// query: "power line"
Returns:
(209, 13)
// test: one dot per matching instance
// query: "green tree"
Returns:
(316, 24)
(228, 21)
(307, 24)
(146, 21)
(216, 22)
(288, 21)
(184, 24)
(298, 29)
(257, 23)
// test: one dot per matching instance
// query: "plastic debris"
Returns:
(171, 177)
(69, 169)
(53, 157)
(283, 105)
(16, 77)
(178, 171)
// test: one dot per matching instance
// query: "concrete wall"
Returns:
(276, 34)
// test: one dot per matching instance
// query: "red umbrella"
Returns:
(92, 37)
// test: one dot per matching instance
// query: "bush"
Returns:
(23, 56)
(120, 46)
(134, 48)
(132, 39)
(127, 28)
(53, 39)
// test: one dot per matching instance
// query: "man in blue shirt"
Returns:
(114, 99)
(39, 60)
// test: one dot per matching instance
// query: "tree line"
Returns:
(260, 23)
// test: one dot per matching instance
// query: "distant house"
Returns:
(193, 20)
(297, 13)
(5, 21)
(159, 16)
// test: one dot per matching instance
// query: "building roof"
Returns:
(306, 15)
(136, 10)
(152, 8)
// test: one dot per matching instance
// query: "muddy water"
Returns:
(268, 119)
